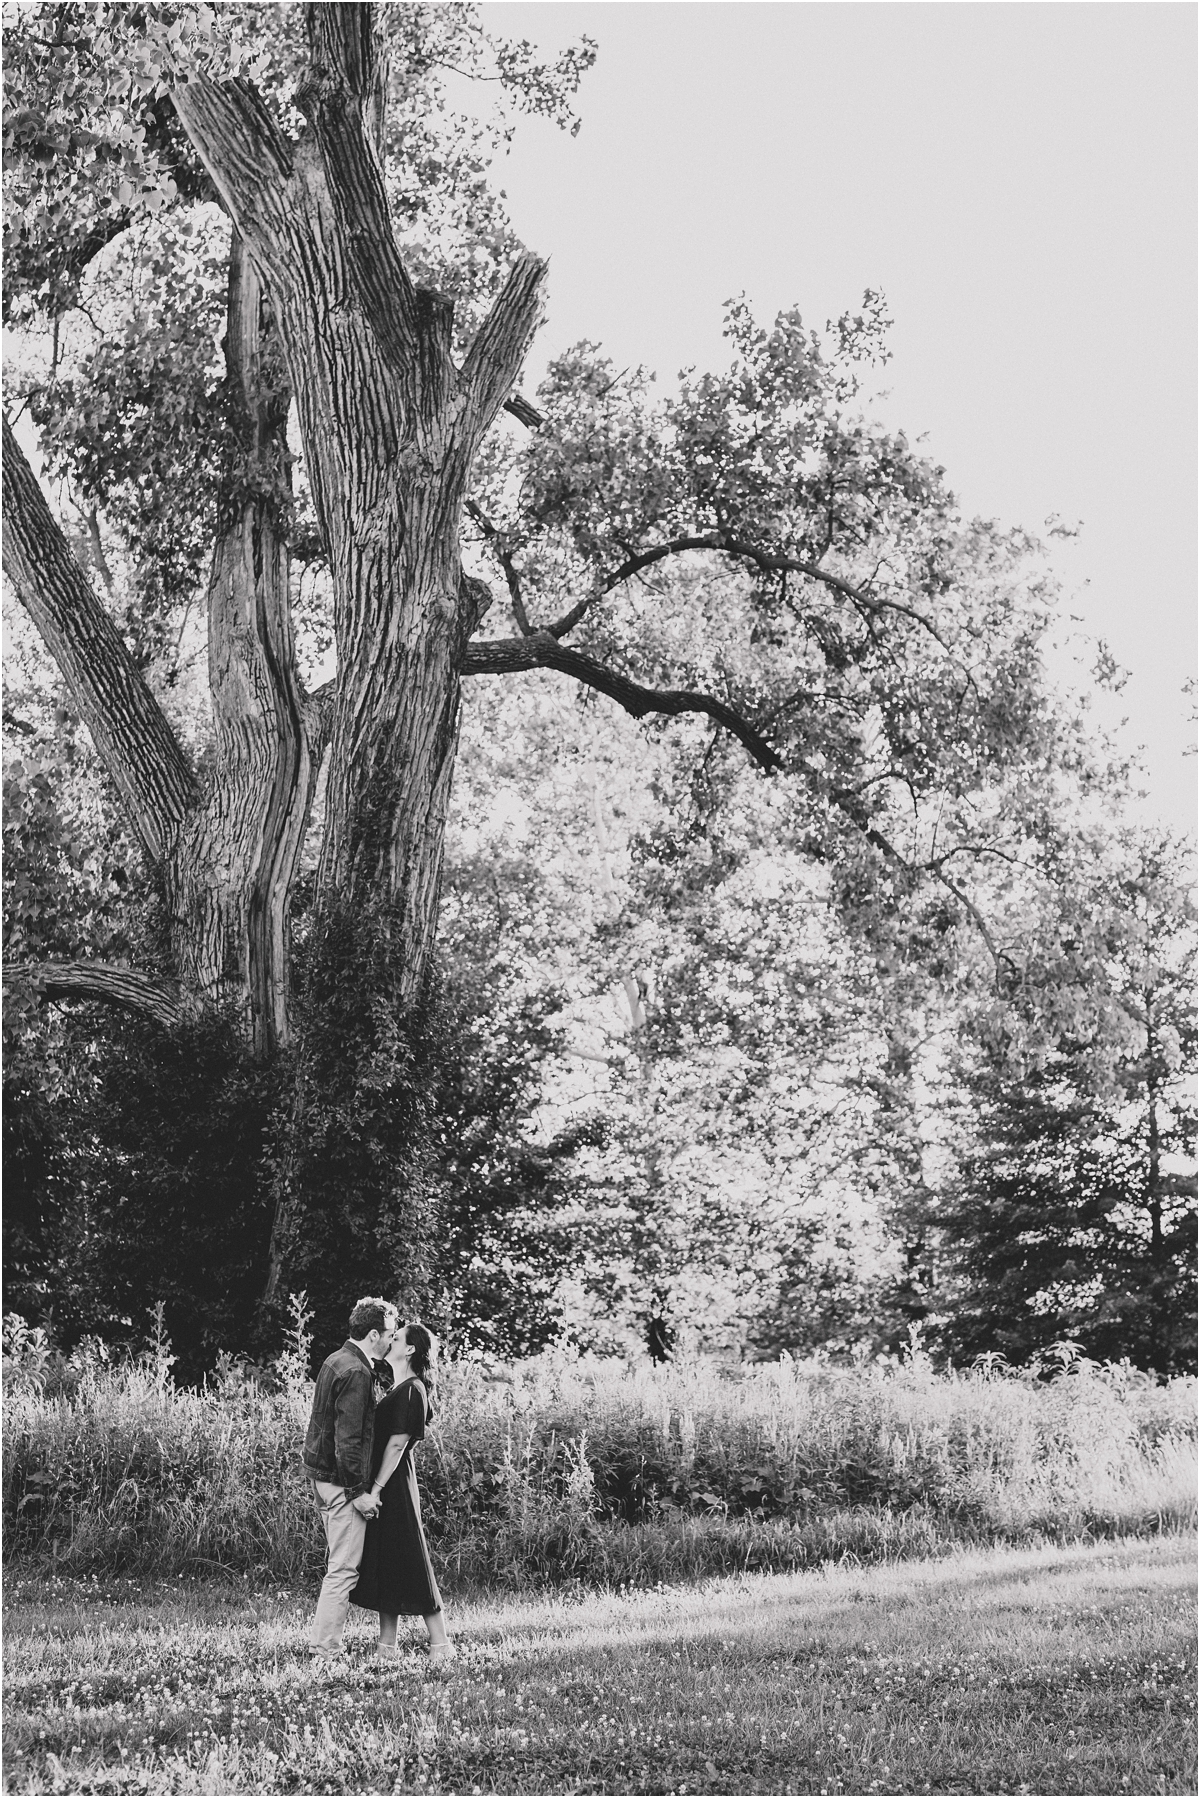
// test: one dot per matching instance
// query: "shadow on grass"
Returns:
(836, 1602)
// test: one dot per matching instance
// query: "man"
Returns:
(337, 1459)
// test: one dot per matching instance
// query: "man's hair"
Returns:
(368, 1315)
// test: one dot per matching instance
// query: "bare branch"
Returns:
(625, 572)
(496, 544)
(609, 1061)
(808, 695)
(92, 519)
(880, 842)
(977, 849)
(998, 955)
(523, 412)
(129, 728)
(767, 560)
(113, 985)
(512, 655)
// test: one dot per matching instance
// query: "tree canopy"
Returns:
(272, 320)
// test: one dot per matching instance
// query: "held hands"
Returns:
(367, 1503)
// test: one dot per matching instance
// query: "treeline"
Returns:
(786, 1139)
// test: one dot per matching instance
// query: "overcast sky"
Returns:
(1018, 179)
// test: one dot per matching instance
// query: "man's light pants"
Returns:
(345, 1529)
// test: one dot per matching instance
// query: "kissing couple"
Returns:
(359, 1456)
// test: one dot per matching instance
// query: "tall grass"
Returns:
(565, 1469)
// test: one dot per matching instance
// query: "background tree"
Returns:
(1074, 1213)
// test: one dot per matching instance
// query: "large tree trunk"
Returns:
(390, 429)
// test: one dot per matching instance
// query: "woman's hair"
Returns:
(424, 1348)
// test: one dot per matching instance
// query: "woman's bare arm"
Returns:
(393, 1454)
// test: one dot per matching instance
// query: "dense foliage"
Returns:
(1074, 1210)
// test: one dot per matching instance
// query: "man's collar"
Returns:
(351, 1344)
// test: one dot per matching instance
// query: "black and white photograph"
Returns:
(599, 867)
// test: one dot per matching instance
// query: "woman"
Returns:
(396, 1576)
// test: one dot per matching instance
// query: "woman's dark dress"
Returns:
(396, 1575)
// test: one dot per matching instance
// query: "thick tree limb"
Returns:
(260, 793)
(113, 985)
(523, 412)
(341, 96)
(247, 156)
(491, 364)
(129, 728)
(512, 655)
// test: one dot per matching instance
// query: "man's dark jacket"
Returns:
(342, 1426)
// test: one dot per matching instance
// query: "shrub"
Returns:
(567, 1469)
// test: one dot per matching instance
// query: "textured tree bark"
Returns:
(390, 429)
(128, 988)
(237, 862)
(132, 736)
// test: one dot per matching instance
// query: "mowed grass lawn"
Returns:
(1044, 1671)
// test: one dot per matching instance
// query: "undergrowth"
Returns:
(562, 1470)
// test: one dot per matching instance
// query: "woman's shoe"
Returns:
(442, 1651)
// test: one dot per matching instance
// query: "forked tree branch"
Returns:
(496, 543)
(513, 655)
(131, 732)
(105, 981)
(934, 867)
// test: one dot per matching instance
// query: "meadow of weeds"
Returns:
(561, 1469)
(1052, 1670)
(658, 1579)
